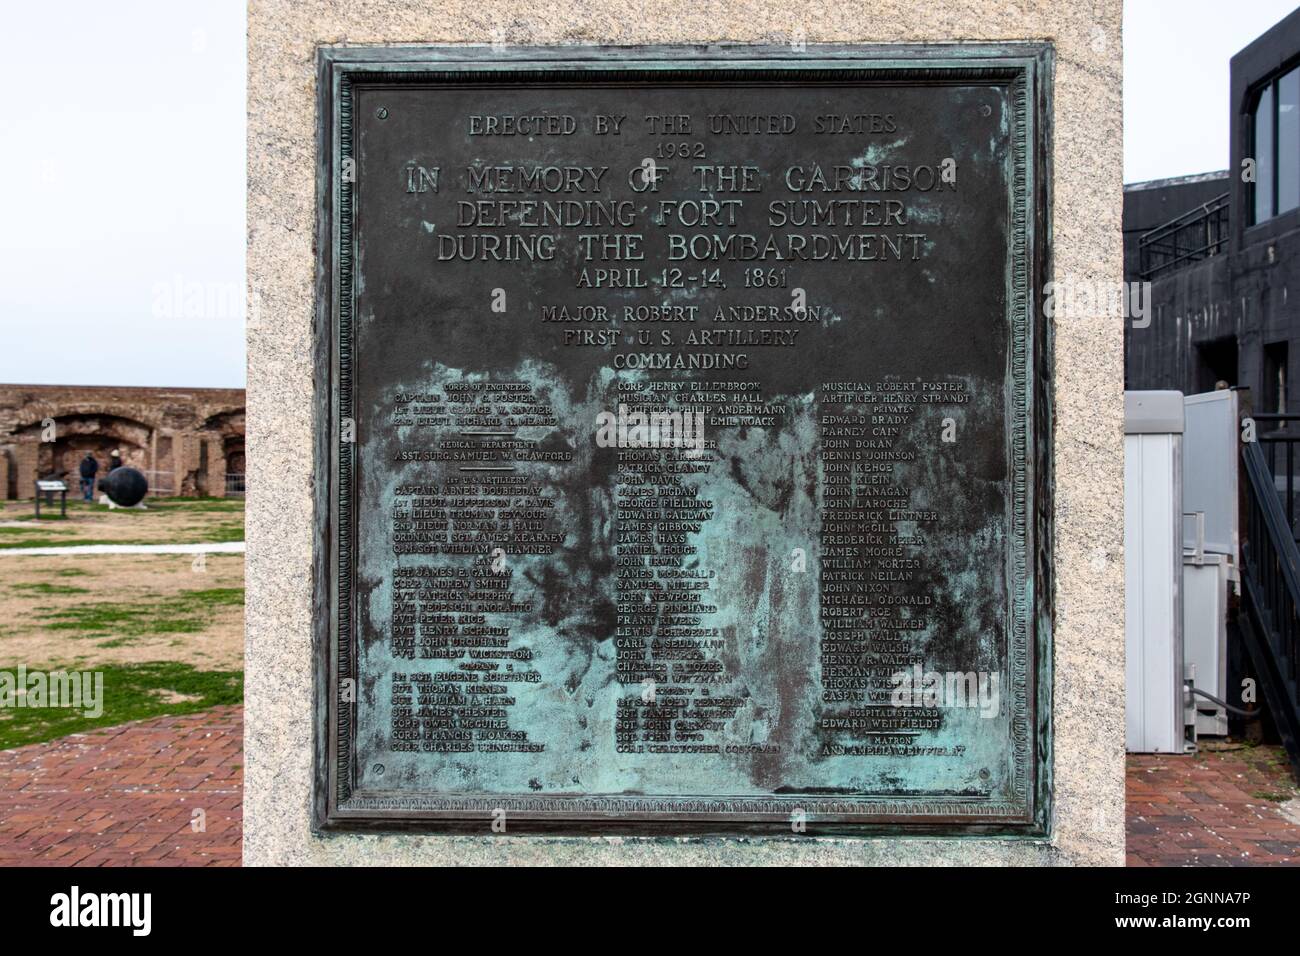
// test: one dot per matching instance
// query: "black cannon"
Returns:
(125, 486)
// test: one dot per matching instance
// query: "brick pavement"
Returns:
(1212, 809)
(127, 795)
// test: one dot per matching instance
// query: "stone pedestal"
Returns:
(1087, 696)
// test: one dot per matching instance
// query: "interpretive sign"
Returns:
(682, 440)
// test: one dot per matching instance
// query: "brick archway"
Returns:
(77, 434)
(183, 439)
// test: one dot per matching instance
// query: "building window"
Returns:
(1262, 150)
(1274, 390)
(1288, 141)
(1275, 145)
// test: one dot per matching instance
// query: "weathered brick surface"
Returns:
(1204, 810)
(127, 795)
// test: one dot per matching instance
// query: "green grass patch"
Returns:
(44, 588)
(12, 532)
(1272, 796)
(131, 692)
(196, 505)
(188, 612)
(221, 534)
(216, 521)
(26, 511)
(65, 542)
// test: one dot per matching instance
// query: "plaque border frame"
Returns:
(1027, 68)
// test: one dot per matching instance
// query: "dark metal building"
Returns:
(1222, 250)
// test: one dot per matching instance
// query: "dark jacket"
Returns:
(89, 467)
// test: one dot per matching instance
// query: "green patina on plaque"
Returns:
(683, 440)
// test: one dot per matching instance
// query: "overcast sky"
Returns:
(124, 160)
(121, 260)
(1176, 55)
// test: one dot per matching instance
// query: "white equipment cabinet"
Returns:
(1211, 452)
(1153, 562)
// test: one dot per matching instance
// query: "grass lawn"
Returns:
(165, 631)
(131, 692)
(164, 521)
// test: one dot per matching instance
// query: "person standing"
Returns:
(89, 468)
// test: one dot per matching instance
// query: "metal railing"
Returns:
(1270, 588)
(1197, 234)
(161, 483)
(1278, 445)
(234, 484)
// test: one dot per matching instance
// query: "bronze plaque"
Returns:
(682, 439)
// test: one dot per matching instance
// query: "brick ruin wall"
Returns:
(187, 441)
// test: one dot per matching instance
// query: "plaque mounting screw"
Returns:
(382, 112)
(986, 110)
(378, 769)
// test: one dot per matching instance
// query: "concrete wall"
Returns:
(1088, 770)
